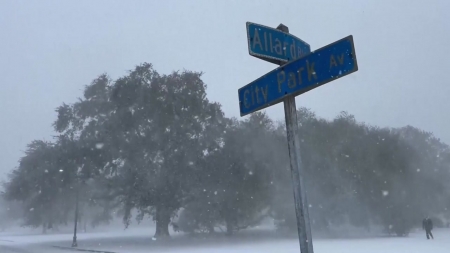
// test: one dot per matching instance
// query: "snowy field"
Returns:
(139, 240)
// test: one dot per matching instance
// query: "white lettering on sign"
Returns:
(264, 41)
(333, 62)
(254, 92)
(256, 40)
(258, 94)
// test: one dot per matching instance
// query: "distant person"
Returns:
(427, 225)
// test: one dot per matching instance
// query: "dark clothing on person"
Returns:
(429, 234)
(427, 224)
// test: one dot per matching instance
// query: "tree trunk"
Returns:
(229, 223)
(162, 218)
(211, 229)
(44, 228)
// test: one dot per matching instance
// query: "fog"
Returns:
(126, 116)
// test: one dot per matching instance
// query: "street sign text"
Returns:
(299, 76)
(274, 45)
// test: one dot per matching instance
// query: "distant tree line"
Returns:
(155, 146)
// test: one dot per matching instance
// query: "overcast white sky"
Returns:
(50, 49)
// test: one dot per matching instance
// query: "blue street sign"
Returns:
(299, 76)
(274, 45)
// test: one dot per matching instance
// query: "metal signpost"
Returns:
(302, 72)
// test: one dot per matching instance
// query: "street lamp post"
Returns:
(74, 242)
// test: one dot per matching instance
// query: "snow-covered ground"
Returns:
(139, 240)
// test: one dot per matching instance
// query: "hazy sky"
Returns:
(50, 49)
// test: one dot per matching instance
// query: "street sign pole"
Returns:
(301, 202)
(300, 71)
